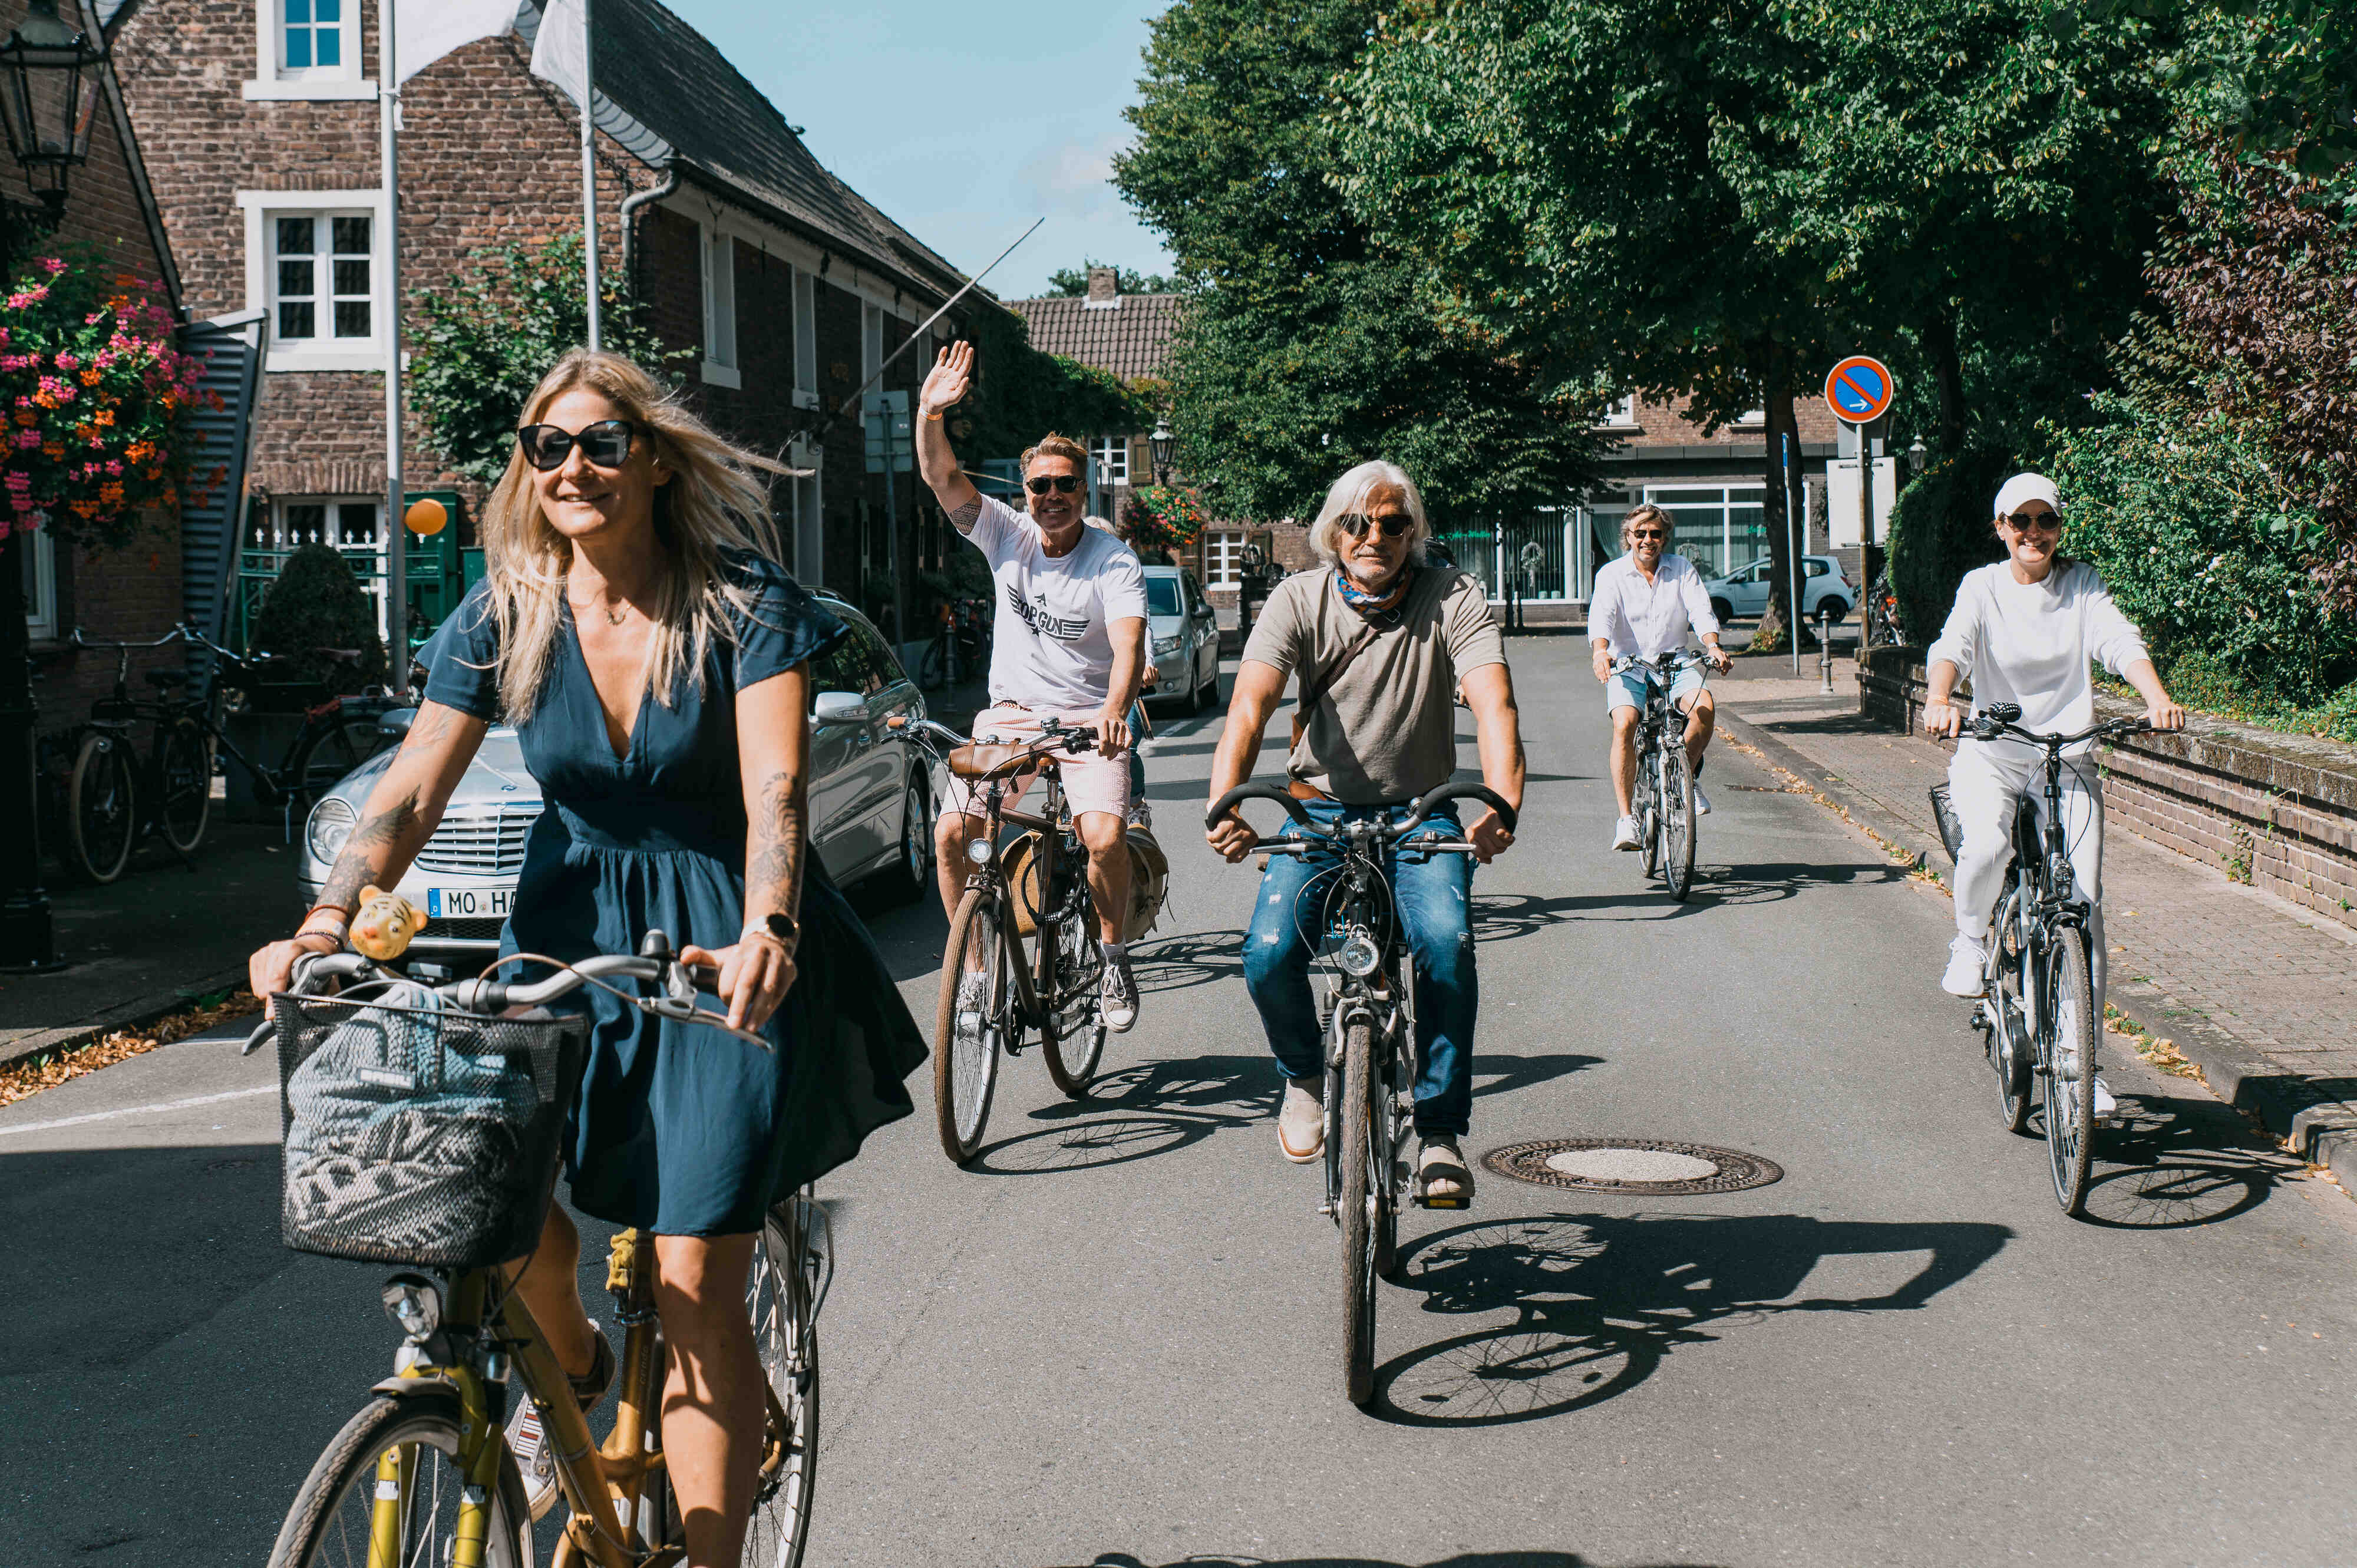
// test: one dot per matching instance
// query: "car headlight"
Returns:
(1165, 646)
(330, 826)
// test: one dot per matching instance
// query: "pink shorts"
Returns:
(1093, 781)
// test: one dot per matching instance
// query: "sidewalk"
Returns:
(151, 941)
(2251, 989)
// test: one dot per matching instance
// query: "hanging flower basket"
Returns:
(97, 397)
(1159, 518)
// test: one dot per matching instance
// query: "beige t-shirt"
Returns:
(1386, 731)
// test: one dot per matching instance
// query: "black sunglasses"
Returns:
(1356, 523)
(606, 444)
(1062, 484)
(2043, 521)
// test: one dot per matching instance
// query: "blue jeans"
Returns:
(1434, 896)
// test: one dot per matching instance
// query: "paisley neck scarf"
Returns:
(1368, 603)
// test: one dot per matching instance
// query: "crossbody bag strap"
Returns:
(1311, 691)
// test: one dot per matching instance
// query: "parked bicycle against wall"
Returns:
(1884, 626)
(960, 648)
(114, 798)
(482, 1072)
(1036, 886)
(2039, 1013)
(1368, 1011)
(1661, 797)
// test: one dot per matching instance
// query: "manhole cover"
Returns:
(1641, 1166)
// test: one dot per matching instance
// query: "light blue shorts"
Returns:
(1628, 690)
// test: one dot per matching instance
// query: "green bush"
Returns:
(317, 603)
(1940, 531)
(2205, 545)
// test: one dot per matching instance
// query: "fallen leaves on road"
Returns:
(2161, 1053)
(29, 1078)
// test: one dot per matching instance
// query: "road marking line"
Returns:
(141, 1110)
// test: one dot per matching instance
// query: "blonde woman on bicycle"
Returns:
(2025, 630)
(635, 630)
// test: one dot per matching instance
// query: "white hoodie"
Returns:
(2031, 642)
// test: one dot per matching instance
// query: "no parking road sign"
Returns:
(1859, 389)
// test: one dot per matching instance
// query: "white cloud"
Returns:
(1075, 179)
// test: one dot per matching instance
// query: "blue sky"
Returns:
(963, 120)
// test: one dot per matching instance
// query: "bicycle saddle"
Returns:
(982, 758)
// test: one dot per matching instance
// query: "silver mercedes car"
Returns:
(869, 802)
(1183, 637)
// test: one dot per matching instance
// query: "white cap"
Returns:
(2027, 487)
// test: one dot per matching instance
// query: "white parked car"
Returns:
(1182, 634)
(1742, 594)
(870, 791)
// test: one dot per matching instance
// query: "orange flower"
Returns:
(104, 416)
(90, 377)
(54, 451)
(28, 418)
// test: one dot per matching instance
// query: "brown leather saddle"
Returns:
(985, 759)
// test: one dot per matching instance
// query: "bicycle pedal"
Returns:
(1425, 1200)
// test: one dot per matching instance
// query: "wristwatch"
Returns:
(773, 924)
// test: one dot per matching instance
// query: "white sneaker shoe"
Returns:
(1966, 960)
(1624, 834)
(1702, 802)
(1301, 1125)
(2106, 1108)
(1117, 994)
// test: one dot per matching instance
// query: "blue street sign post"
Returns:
(891, 449)
(1859, 391)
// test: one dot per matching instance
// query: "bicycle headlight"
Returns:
(980, 851)
(1165, 646)
(414, 1304)
(1360, 956)
(331, 824)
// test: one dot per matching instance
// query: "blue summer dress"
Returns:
(678, 1129)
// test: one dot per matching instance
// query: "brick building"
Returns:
(261, 122)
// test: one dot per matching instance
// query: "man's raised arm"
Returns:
(945, 387)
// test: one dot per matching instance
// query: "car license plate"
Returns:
(468, 903)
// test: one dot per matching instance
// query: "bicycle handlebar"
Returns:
(175, 635)
(1998, 719)
(1669, 663)
(1418, 808)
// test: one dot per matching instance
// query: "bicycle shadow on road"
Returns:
(1601, 1300)
(1187, 958)
(1775, 882)
(1136, 1113)
(2181, 1162)
(1462, 1559)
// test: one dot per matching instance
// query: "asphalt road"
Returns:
(1113, 1339)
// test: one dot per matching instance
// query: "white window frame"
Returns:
(271, 79)
(717, 248)
(1223, 559)
(275, 519)
(41, 593)
(1109, 457)
(1730, 498)
(260, 209)
(1619, 414)
(805, 286)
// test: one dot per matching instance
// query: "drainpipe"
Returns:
(630, 205)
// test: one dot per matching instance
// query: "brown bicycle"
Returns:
(1034, 886)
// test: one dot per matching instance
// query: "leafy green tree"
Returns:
(1071, 282)
(481, 344)
(1309, 347)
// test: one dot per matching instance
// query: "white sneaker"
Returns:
(2106, 1108)
(1966, 960)
(1117, 994)
(1301, 1124)
(1702, 802)
(1624, 834)
(529, 1443)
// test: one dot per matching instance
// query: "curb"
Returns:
(2317, 1126)
(130, 1014)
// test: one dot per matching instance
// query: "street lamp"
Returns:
(1916, 456)
(47, 98)
(1163, 446)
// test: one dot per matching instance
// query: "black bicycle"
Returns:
(112, 797)
(1661, 796)
(1368, 1019)
(959, 648)
(2039, 1013)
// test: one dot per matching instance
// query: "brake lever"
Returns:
(689, 1012)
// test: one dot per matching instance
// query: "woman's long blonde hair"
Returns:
(716, 504)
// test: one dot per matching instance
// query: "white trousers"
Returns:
(1983, 784)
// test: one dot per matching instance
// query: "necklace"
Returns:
(614, 614)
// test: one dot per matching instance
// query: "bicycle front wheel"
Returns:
(1677, 810)
(1357, 1202)
(389, 1490)
(184, 762)
(2066, 1004)
(103, 806)
(969, 1033)
(781, 1296)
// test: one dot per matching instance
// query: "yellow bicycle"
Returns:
(393, 1087)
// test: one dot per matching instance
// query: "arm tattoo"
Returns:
(965, 517)
(773, 848)
(367, 855)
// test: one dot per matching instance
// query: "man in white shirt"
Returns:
(1069, 644)
(1645, 605)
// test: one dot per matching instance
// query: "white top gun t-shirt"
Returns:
(1053, 647)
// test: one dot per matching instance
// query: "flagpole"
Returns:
(396, 530)
(589, 175)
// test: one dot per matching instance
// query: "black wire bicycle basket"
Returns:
(417, 1132)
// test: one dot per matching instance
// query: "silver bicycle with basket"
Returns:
(424, 1126)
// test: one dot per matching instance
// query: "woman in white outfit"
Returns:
(2024, 629)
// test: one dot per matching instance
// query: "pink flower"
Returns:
(115, 468)
(27, 439)
(68, 362)
(55, 264)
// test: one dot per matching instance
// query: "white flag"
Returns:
(425, 31)
(561, 55)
